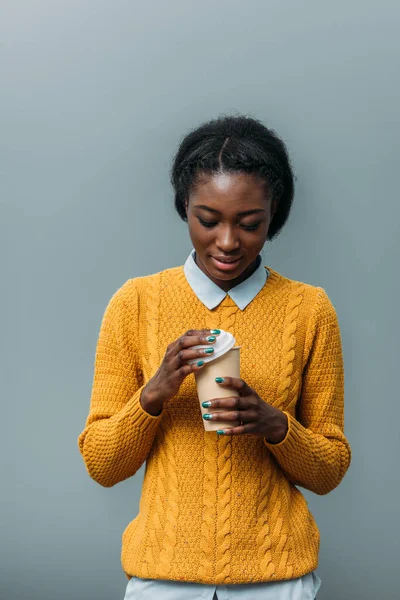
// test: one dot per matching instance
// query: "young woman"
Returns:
(221, 514)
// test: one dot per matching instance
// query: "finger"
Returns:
(241, 416)
(237, 402)
(247, 428)
(201, 332)
(184, 356)
(186, 369)
(236, 383)
(187, 341)
(233, 415)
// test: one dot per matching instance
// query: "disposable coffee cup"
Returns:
(227, 365)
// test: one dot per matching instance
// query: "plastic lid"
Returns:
(224, 342)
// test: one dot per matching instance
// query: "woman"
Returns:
(221, 515)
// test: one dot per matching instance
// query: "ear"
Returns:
(186, 206)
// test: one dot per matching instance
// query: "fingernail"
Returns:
(200, 363)
(219, 379)
(206, 404)
(208, 350)
(207, 416)
(215, 331)
(220, 431)
(211, 338)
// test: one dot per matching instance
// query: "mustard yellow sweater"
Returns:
(218, 509)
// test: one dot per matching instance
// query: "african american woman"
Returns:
(221, 514)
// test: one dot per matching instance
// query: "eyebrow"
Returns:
(241, 214)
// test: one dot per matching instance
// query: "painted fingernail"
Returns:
(207, 416)
(215, 331)
(208, 350)
(200, 363)
(219, 379)
(206, 404)
(220, 431)
(211, 338)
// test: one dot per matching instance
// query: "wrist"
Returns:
(150, 403)
(280, 431)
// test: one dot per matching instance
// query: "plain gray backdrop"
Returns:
(95, 96)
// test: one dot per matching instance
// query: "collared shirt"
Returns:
(302, 588)
(211, 295)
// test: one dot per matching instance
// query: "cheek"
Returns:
(198, 234)
(193, 230)
(198, 230)
(256, 243)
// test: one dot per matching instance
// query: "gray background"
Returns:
(95, 96)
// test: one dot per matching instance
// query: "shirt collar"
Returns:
(211, 295)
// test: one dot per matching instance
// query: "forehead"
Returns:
(229, 191)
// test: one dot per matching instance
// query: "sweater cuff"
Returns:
(141, 419)
(291, 442)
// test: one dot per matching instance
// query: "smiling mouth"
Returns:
(225, 264)
(226, 260)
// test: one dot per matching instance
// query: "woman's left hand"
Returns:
(257, 416)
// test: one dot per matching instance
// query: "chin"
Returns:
(226, 276)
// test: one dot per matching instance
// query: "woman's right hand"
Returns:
(175, 368)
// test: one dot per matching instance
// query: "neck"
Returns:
(227, 285)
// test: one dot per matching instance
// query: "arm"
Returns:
(315, 453)
(119, 433)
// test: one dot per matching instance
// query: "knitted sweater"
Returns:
(219, 509)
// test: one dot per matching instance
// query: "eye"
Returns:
(251, 227)
(207, 223)
(210, 224)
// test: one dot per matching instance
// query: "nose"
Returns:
(227, 240)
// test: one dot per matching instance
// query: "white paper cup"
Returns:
(227, 365)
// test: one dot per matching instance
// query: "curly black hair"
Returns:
(235, 144)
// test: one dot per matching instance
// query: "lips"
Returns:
(225, 260)
(225, 264)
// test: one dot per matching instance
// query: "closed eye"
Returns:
(210, 224)
(251, 227)
(207, 223)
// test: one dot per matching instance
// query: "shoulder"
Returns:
(156, 281)
(135, 288)
(315, 311)
(284, 283)
(315, 299)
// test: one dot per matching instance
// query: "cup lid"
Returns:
(224, 342)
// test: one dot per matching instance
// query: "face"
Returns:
(229, 215)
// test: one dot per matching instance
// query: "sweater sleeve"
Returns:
(315, 453)
(119, 433)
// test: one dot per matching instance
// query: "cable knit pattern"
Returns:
(224, 532)
(206, 572)
(264, 542)
(151, 345)
(219, 509)
(289, 343)
(171, 510)
(228, 311)
(150, 361)
(264, 539)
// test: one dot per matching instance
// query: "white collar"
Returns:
(211, 295)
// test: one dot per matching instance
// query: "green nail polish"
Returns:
(200, 363)
(208, 350)
(211, 338)
(215, 331)
(219, 379)
(207, 416)
(206, 404)
(220, 431)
